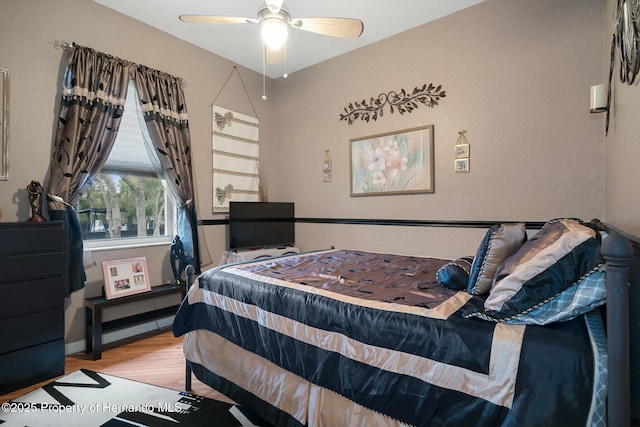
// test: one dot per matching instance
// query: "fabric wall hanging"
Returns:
(236, 157)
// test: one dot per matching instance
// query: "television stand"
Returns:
(248, 255)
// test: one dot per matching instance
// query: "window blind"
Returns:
(129, 152)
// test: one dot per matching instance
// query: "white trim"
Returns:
(115, 244)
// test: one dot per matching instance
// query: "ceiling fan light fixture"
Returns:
(274, 32)
(274, 6)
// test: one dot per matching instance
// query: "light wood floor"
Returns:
(154, 358)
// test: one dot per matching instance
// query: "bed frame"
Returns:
(622, 256)
(617, 251)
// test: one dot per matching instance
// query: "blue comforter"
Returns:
(378, 334)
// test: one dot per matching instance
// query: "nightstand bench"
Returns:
(94, 326)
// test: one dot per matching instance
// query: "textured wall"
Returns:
(622, 145)
(517, 76)
(28, 29)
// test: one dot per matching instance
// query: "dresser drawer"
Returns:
(18, 299)
(22, 268)
(31, 330)
(31, 365)
(30, 238)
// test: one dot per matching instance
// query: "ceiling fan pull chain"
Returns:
(264, 93)
(285, 75)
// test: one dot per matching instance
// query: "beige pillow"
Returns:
(500, 242)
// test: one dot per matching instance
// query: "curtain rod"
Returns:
(61, 44)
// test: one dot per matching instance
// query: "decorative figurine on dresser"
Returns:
(35, 200)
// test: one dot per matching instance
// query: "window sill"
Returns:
(112, 245)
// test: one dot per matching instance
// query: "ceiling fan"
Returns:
(274, 20)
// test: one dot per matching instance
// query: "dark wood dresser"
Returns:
(33, 285)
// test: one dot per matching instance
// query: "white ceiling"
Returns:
(240, 43)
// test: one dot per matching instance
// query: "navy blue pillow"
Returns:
(455, 275)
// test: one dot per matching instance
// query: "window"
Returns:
(127, 204)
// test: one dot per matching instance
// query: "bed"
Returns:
(511, 336)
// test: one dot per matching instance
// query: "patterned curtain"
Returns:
(93, 95)
(94, 92)
(165, 113)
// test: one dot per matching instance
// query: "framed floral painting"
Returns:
(393, 163)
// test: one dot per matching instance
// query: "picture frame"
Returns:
(461, 151)
(326, 176)
(326, 165)
(399, 162)
(461, 165)
(4, 124)
(125, 277)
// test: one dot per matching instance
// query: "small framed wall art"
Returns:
(125, 277)
(326, 163)
(462, 151)
(462, 165)
(326, 167)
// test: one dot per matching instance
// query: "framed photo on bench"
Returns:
(125, 277)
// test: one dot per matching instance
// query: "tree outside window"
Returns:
(127, 199)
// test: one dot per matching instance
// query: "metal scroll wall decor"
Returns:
(402, 102)
(626, 39)
(626, 27)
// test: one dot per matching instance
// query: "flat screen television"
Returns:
(254, 225)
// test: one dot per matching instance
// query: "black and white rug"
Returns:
(86, 398)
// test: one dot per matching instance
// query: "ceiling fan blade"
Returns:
(209, 19)
(273, 56)
(337, 27)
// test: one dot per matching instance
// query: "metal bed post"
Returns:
(189, 271)
(617, 252)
